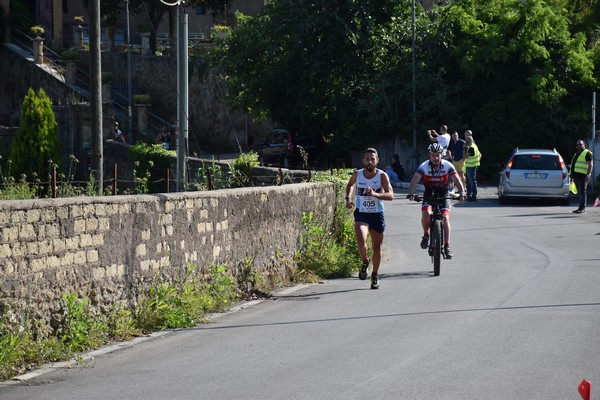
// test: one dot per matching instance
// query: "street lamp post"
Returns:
(96, 96)
(594, 139)
(415, 153)
(182, 90)
(182, 98)
(129, 111)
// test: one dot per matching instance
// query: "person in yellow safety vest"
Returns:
(472, 161)
(582, 165)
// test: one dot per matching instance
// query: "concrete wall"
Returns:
(112, 247)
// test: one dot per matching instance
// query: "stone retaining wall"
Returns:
(112, 247)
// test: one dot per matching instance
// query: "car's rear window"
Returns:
(278, 137)
(536, 161)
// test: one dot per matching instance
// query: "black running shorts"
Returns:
(376, 221)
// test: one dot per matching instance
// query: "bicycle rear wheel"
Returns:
(436, 244)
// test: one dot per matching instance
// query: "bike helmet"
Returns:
(435, 148)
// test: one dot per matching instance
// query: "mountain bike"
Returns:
(436, 230)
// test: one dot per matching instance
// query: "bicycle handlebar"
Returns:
(414, 197)
(433, 197)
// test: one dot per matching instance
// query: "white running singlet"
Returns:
(368, 204)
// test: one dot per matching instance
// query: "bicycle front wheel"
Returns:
(436, 244)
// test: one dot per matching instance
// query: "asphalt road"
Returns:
(515, 315)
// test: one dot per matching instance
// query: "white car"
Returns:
(534, 173)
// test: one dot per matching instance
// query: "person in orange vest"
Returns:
(582, 165)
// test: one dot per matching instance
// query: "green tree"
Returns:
(524, 78)
(518, 73)
(36, 143)
(307, 65)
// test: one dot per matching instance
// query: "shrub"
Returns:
(70, 55)
(182, 303)
(322, 254)
(85, 327)
(35, 148)
(177, 304)
(151, 164)
(330, 250)
(240, 171)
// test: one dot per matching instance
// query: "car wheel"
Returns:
(503, 200)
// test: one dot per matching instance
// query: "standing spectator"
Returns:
(472, 161)
(118, 134)
(433, 135)
(456, 154)
(395, 170)
(165, 138)
(372, 188)
(444, 140)
(582, 165)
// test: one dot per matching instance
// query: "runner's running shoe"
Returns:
(374, 281)
(362, 275)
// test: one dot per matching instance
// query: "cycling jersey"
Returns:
(436, 180)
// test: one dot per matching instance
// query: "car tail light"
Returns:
(290, 145)
(508, 167)
(563, 167)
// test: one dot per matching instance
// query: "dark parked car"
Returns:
(534, 173)
(284, 148)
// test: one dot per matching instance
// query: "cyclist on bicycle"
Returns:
(436, 173)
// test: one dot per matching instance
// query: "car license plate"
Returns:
(535, 176)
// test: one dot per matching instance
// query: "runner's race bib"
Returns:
(369, 204)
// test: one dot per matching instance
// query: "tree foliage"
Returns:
(307, 66)
(523, 77)
(36, 146)
(517, 73)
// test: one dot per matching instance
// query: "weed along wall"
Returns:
(113, 247)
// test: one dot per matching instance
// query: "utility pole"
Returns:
(415, 152)
(129, 110)
(96, 96)
(182, 94)
(594, 140)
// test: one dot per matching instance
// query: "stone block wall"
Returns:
(112, 247)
